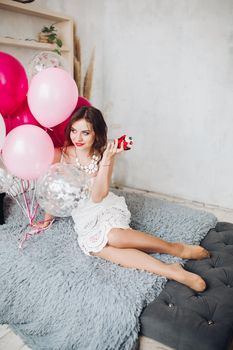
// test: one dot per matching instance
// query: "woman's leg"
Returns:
(128, 238)
(134, 258)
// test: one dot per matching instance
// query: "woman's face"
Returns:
(82, 135)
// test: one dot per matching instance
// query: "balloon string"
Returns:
(19, 204)
(47, 128)
(27, 199)
(34, 232)
(32, 201)
(26, 202)
(35, 211)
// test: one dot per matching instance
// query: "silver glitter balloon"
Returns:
(43, 60)
(61, 188)
(6, 180)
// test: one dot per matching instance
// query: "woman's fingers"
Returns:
(115, 145)
(112, 146)
(108, 146)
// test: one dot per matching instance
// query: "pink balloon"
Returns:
(13, 83)
(57, 134)
(2, 131)
(27, 152)
(22, 116)
(52, 96)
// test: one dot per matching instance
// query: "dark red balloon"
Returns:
(22, 116)
(13, 84)
(7, 121)
(57, 133)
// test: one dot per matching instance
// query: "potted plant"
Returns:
(49, 35)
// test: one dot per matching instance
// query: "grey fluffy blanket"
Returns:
(55, 297)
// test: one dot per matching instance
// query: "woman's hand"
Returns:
(110, 152)
(42, 224)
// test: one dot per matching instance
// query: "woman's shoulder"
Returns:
(64, 154)
(68, 151)
(57, 155)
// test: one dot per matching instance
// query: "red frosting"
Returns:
(126, 142)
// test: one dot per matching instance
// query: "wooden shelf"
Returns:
(32, 10)
(31, 44)
(17, 11)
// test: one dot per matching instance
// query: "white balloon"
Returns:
(2, 131)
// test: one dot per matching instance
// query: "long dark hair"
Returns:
(93, 116)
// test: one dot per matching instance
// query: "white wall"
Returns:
(169, 84)
(164, 75)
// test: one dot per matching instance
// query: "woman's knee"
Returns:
(116, 237)
(104, 253)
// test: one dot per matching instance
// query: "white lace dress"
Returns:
(93, 221)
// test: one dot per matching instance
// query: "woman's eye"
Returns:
(85, 133)
(73, 131)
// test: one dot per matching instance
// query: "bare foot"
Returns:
(189, 279)
(186, 251)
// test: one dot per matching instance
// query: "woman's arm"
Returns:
(102, 181)
(45, 223)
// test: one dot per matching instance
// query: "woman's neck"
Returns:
(83, 154)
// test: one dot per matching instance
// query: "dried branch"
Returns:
(77, 49)
(87, 85)
(77, 74)
(77, 62)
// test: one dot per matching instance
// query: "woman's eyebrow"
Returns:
(81, 130)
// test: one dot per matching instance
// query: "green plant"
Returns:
(51, 35)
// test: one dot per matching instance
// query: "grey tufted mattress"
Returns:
(185, 320)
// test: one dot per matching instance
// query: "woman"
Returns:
(102, 220)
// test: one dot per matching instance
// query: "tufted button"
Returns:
(170, 305)
(228, 286)
(210, 322)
